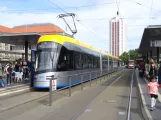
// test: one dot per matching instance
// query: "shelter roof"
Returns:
(19, 34)
(152, 32)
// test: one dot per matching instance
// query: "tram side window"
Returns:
(85, 61)
(90, 62)
(77, 61)
(70, 61)
(62, 61)
(98, 62)
(94, 62)
(106, 63)
(103, 63)
(110, 63)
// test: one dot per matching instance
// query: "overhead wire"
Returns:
(151, 9)
(70, 7)
(77, 20)
(117, 6)
(57, 6)
(105, 18)
(110, 18)
(89, 29)
(144, 5)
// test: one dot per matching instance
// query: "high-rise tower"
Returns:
(118, 36)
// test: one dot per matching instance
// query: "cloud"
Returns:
(3, 8)
(93, 30)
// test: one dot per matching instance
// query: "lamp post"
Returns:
(129, 51)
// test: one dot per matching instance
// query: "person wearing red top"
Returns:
(142, 67)
(153, 91)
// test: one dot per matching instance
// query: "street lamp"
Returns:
(129, 51)
(129, 54)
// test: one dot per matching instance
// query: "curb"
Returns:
(145, 111)
(14, 91)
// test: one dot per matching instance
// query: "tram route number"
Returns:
(53, 85)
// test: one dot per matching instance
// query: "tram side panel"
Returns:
(73, 64)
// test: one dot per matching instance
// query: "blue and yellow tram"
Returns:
(60, 56)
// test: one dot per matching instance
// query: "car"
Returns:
(131, 66)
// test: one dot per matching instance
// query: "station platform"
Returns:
(14, 88)
(145, 99)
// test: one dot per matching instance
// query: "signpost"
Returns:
(53, 84)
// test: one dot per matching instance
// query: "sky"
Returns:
(93, 16)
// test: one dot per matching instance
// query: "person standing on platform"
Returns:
(147, 69)
(9, 73)
(153, 91)
(153, 69)
(17, 71)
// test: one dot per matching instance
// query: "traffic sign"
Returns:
(54, 85)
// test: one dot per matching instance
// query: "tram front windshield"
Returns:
(46, 57)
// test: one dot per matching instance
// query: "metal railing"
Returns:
(96, 74)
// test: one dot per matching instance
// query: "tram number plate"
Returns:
(53, 85)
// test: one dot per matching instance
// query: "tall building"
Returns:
(118, 36)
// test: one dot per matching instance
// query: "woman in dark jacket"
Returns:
(153, 69)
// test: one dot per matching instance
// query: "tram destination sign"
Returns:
(155, 43)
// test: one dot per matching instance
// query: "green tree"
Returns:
(132, 54)
(124, 57)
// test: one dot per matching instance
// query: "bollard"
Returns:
(81, 81)
(96, 77)
(90, 79)
(50, 88)
(50, 94)
(69, 78)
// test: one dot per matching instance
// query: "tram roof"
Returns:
(63, 39)
(152, 32)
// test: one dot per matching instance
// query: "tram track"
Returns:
(77, 115)
(42, 96)
(130, 97)
(127, 102)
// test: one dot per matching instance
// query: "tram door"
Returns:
(32, 69)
